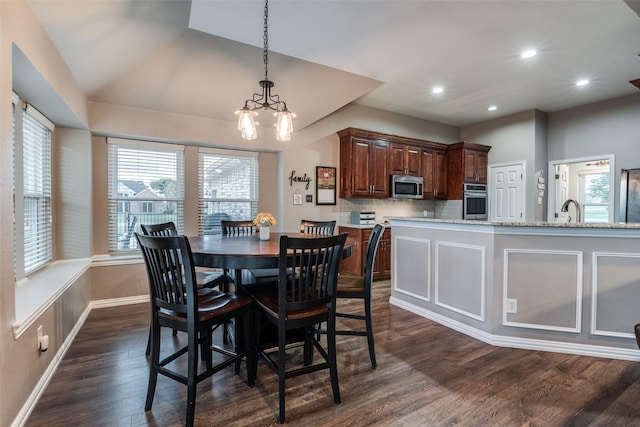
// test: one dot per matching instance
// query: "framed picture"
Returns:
(325, 185)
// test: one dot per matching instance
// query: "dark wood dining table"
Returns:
(245, 252)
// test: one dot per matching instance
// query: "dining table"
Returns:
(246, 252)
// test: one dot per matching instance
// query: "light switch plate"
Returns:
(512, 306)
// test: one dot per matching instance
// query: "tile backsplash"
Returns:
(442, 209)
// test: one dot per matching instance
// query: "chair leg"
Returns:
(154, 341)
(369, 326)
(192, 356)
(249, 346)
(282, 342)
(148, 351)
(307, 354)
(333, 362)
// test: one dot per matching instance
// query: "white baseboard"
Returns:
(522, 343)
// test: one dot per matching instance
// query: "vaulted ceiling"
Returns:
(204, 57)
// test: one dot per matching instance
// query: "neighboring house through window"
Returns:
(146, 186)
(228, 187)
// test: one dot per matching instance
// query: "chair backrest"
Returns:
(164, 229)
(308, 272)
(238, 228)
(370, 255)
(171, 273)
(317, 227)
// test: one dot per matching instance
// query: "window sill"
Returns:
(36, 294)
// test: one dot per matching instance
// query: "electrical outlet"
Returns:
(512, 306)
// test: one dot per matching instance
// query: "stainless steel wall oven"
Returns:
(475, 202)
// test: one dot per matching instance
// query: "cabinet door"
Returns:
(355, 263)
(440, 175)
(396, 159)
(470, 170)
(404, 160)
(428, 173)
(413, 161)
(382, 264)
(481, 168)
(379, 170)
(360, 168)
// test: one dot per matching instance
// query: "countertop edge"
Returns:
(519, 224)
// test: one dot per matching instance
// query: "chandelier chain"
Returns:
(265, 38)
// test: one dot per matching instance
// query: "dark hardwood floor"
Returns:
(427, 375)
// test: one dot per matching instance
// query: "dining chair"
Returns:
(359, 287)
(205, 279)
(305, 296)
(238, 228)
(175, 304)
(317, 227)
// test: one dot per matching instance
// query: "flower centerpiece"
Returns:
(264, 220)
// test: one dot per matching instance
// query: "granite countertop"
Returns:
(521, 224)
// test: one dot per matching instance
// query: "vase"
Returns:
(265, 232)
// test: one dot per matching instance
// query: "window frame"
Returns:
(208, 222)
(35, 252)
(120, 234)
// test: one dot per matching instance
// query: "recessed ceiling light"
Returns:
(582, 82)
(492, 108)
(529, 53)
(437, 89)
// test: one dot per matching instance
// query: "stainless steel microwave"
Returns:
(406, 187)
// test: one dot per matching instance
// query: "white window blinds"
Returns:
(36, 189)
(228, 187)
(146, 186)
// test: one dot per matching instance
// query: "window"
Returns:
(594, 194)
(228, 187)
(32, 189)
(146, 186)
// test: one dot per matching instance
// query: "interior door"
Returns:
(562, 191)
(506, 201)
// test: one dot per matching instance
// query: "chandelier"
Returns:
(265, 100)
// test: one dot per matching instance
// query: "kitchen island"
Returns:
(562, 287)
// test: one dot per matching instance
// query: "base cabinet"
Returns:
(355, 263)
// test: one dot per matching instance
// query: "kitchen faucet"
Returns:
(565, 208)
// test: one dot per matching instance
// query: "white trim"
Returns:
(551, 182)
(115, 302)
(594, 293)
(211, 150)
(394, 268)
(158, 146)
(483, 274)
(62, 274)
(33, 112)
(631, 354)
(106, 260)
(505, 288)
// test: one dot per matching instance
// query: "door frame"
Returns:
(523, 201)
(551, 189)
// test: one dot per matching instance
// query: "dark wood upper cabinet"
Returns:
(467, 163)
(404, 160)
(368, 159)
(364, 169)
(434, 173)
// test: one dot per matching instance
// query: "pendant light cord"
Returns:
(265, 38)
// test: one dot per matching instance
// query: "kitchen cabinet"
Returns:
(367, 159)
(404, 160)
(364, 169)
(355, 263)
(434, 173)
(466, 163)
